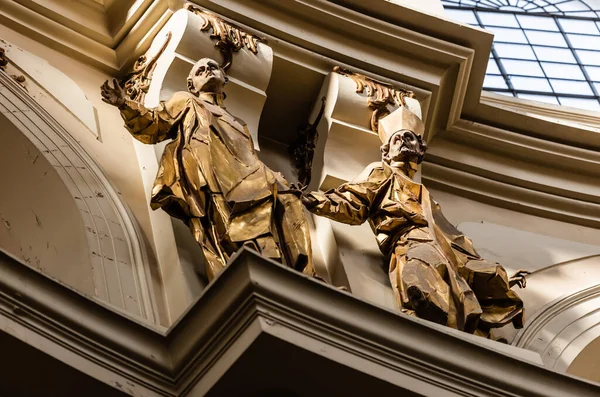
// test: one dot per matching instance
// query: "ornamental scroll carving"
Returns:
(137, 82)
(230, 38)
(379, 94)
(3, 60)
(302, 149)
(4, 63)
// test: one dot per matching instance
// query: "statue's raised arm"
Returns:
(210, 175)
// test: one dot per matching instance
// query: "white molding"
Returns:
(561, 329)
(254, 297)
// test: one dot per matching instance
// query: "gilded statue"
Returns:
(433, 269)
(210, 175)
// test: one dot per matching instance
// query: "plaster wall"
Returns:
(105, 140)
(113, 148)
(38, 222)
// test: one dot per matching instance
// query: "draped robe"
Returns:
(211, 178)
(434, 270)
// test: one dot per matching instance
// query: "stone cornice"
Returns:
(254, 297)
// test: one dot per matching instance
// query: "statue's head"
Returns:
(404, 146)
(206, 76)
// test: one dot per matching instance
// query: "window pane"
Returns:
(578, 26)
(581, 103)
(526, 68)
(465, 16)
(514, 51)
(571, 87)
(563, 71)
(530, 84)
(492, 67)
(540, 98)
(546, 38)
(508, 35)
(580, 41)
(498, 19)
(589, 57)
(554, 54)
(494, 82)
(572, 6)
(597, 86)
(540, 23)
(593, 72)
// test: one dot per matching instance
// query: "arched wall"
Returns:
(109, 249)
(39, 220)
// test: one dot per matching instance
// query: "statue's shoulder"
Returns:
(178, 100)
(372, 172)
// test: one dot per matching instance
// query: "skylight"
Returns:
(544, 50)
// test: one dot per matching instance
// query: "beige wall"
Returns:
(113, 150)
(39, 222)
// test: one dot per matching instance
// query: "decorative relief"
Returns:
(230, 38)
(3, 60)
(137, 82)
(379, 93)
(302, 149)
(4, 63)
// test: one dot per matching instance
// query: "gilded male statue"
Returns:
(211, 178)
(434, 271)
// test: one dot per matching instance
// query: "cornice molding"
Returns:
(252, 297)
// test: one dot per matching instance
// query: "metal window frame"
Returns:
(514, 91)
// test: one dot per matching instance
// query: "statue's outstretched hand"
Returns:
(297, 189)
(112, 95)
(519, 279)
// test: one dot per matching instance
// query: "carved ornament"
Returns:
(302, 149)
(230, 38)
(379, 94)
(137, 82)
(4, 63)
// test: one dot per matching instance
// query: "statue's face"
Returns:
(206, 76)
(405, 146)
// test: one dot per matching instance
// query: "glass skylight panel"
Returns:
(547, 50)
(540, 98)
(593, 72)
(494, 82)
(589, 57)
(465, 16)
(514, 51)
(554, 54)
(546, 38)
(508, 35)
(578, 26)
(584, 41)
(571, 87)
(498, 19)
(572, 6)
(530, 84)
(525, 68)
(563, 71)
(492, 67)
(538, 23)
(581, 103)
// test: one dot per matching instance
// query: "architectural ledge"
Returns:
(261, 326)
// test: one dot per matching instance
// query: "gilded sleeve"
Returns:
(150, 125)
(350, 203)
